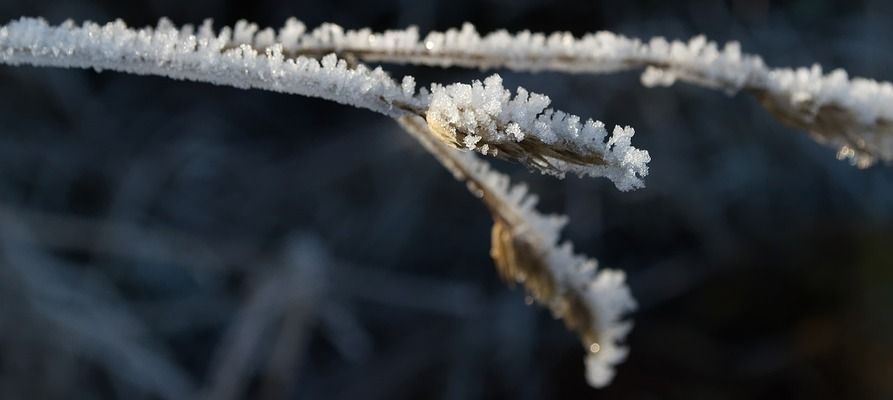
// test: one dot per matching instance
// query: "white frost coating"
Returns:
(225, 59)
(868, 103)
(862, 131)
(232, 57)
(696, 60)
(527, 51)
(867, 99)
(610, 298)
(604, 291)
(489, 115)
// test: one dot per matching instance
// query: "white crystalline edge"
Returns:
(593, 52)
(697, 60)
(867, 99)
(180, 54)
(603, 290)
(489, 111)
(228, 58)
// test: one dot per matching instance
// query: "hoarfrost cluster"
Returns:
(485, 116)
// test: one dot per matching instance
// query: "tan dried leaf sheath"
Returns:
(517, 260)
(526, 248)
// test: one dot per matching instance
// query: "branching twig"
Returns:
(477, 116)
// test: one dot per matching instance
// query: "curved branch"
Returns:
(481, 116)
(854, 115)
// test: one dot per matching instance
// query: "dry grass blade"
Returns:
(526, 250)
(518, 261)
(861, 143)
(529, 150)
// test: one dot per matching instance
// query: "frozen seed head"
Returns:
(484, 116)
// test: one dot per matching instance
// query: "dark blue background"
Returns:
(147, 222)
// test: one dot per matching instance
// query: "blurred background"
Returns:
(176, 240)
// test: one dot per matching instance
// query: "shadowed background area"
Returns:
(175, 240)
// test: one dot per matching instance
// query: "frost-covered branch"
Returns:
(481, 116)
(854, 115)
(526, 248)
(204, 56)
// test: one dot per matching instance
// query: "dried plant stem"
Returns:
(525, 250)
(483, 115)
(854, 115)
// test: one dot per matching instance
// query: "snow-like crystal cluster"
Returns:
(484, 115)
